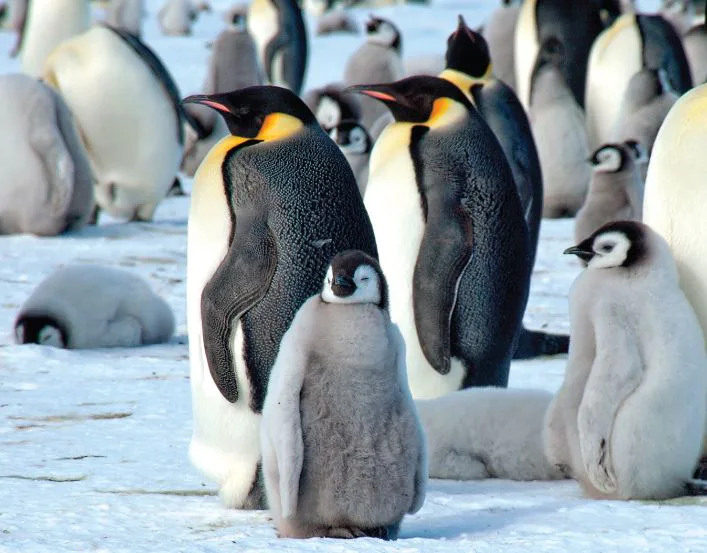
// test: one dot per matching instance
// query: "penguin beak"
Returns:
(206, 100)
(584, 254)
(377, 92)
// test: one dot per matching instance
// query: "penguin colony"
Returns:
(399, 298)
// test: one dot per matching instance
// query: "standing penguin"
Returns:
(271, 204)
(277, 26)
(629, 418)
(634, 42)
(48, 23)
(177, 16)
(356, 144)
(126, 15)
(357, 469)
(133, 133)
(331, 106)
(449, 225)
(499, 32)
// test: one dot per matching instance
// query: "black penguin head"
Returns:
(383, 31)
(40, 329)
(249, 112)
(355, 277)
(468, 52)
(616, 244)
(351, 137)
(617, 157)
(413, 99)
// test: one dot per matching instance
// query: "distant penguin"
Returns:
(47, 182)
(560, 133)
(481, 433)
(126, 15)
(176, 17)
(48, 24)
(378, 60)
(343, 451)
(15, 13)
(331, 106)
(629, 418)
(88, 306)
(499, 32)
(695, 44)
(270, 206)
(339, 21)
(615, 190)
(449, 225)
(133, 132)
(356, 144)
(634, 42)
(573, 24)
(278, 28)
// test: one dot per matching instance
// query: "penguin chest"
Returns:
(263, 25)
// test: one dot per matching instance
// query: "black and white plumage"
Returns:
(330, 105)
(356, 144)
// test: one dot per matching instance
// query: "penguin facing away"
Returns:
(636, 369)
(356, 144)
(89, 306)
(331, 106)
(436, 210)
(255, 252)
(47, 180)
(343, 350)
(126, 15)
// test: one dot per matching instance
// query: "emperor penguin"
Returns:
(343, 450)
(560, 133)
(629, 418)
(271, 204)
(675, 195)
(615, 190)
(49, 23)
(634, 42)
(499, 32)
(176, 17)
(133, 132)
(449, 225)
(279, 31)
(90, 306)
(378, 60)
(47, 180)
(331, 106)
(489, 432)
(356, 144)
(126, 15)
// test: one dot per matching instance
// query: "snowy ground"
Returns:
(93, 444)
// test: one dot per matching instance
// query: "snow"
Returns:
(93, 444)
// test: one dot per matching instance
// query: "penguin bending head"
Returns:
(43, 330)
(355, 277)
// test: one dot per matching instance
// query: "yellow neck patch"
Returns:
(278, 126)
(445, 111)
(464, 82)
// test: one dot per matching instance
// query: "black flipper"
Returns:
(242, 279)
(534, 343)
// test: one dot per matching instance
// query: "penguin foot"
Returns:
(696, 487)
(345, 533)
(93, 218)
(176, 189)
(535, 343)
(701, 470)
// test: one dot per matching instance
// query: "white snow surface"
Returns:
(93, 444)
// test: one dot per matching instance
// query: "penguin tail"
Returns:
(696, 487)
(534, 343)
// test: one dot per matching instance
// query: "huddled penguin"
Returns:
(629, 418)
(133, 133)
(49, 23)
(499, 32)
(481, 433)
(339, 21)
(89, 306)
(449, 225)
(176, 17)
(357, 469)
(378, 60)
(634, 42)
(331, 106)
(356, 145)
(47, 182)
(560, 133)
(271, 204)
(616, 189)
(126, 15)
(278, 28)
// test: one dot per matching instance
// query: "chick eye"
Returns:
(606, 248)
(365, 279)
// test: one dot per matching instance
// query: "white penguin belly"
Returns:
(525, 50)
(262, 26)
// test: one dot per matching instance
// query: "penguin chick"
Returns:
(331, 106)
(338, 21)
(356, 144)
(126, 15)
(490, 432)
(343, 450)
(629, 418)
(175, 17)
(616, 189)
(88, 306)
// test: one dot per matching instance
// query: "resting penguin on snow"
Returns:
(271, 204)
(133, 133)
(331, 106)
(47, 182)
(278, 28)
(356, 144)
(126, 15)
(88, 306)
(356, 469)
(459, 261)
(629, 418)
(499, 32)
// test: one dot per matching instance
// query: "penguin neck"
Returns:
(464, 82)
(278, 126)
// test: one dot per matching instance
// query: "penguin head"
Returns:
(351, 138)
(328, 112)
(236, 18)
(615, 158)
(616, 244)
(355, 277)
(41, 329)
(384, 32)
(330, 106)
(468, 52)
(419, 99)
(258, 112)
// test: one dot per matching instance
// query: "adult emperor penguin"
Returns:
(356, 144)
(126, 15)
(278, 28)
(634, 42)
(48, 23)
(637, 368)
(133, 133)
(331, 106)
(342, 350)
(449, 225)
(270, 206)
(499, 32)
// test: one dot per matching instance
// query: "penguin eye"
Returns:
(365, 279)
(606, 248)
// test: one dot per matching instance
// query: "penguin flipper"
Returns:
(534, 343)
(242, 279)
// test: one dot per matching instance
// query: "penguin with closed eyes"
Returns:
(356, 144)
